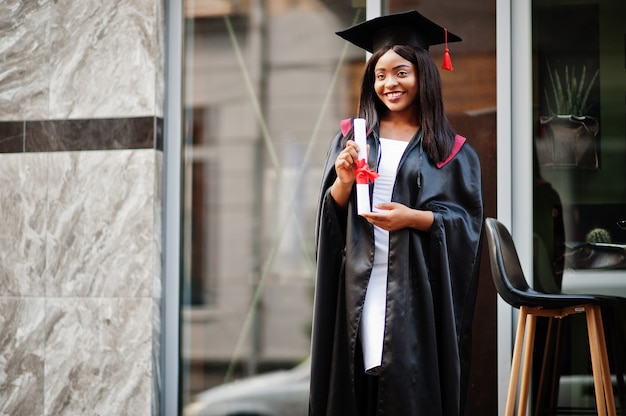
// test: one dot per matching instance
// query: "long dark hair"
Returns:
(437, 133)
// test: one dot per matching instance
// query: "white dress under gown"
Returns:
(372, 325)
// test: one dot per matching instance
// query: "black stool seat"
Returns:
(533, 299)
(512, 286)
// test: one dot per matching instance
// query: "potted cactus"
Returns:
(568, 131)
(598, 235)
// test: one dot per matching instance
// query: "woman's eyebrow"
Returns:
(395, 67)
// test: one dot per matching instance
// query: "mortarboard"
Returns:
(408, 28)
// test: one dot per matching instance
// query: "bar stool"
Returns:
(512, 286)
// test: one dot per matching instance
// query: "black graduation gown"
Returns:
(431, 290)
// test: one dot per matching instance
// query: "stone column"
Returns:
(81, 105)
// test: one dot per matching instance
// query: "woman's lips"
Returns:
(393, 96)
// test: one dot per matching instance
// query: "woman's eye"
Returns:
(402, 74)
(380, 77)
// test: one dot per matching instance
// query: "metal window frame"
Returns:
(514, 156)
(172, 179)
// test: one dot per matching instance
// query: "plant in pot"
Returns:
(569, 132)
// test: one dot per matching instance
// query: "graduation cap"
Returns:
(408, 28)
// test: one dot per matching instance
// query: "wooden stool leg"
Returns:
(604, 361)
(527, 364)
(596, 360)
(515, 364)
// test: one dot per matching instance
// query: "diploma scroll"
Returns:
(363, 173)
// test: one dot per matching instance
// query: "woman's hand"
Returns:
(394, 216)
(345, 165)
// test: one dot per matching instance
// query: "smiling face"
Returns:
(395, 83)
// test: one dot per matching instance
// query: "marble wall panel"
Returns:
(81, 59)
(92, 134)
(100, 230)
(157, 229)
(157, 283)
(157, 386)
(25, 66)
(104, 58)
(22, 356)
(23, 179)
(160, 59)
(11, 136)
(80, 252)
(84, 134)
(102, 210)
(101, 349)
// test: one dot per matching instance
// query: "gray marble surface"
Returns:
(23, 221)
(80, 224)
(157, 234)
(80, 282)
(22, 326)
(24, 68)
(98, 356)
(81, 59)
(99, 239)
(77, 356)
(80, 251)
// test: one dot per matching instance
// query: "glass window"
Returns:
(579, 167)
(469, 92)
(266, 84)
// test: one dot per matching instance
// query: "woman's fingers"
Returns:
(346, 160)
(390, 216)
(351, 152)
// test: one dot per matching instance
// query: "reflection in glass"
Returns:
(580, 149)
(265, 86)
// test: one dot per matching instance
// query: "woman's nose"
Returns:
(391, 81)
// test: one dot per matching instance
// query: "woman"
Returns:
(395, 288)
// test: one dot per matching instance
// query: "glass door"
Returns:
(579, 170)
(266, 84)
(469, 92)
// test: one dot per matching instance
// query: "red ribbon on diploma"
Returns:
(363, 173)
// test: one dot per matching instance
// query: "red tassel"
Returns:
(447, 62)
